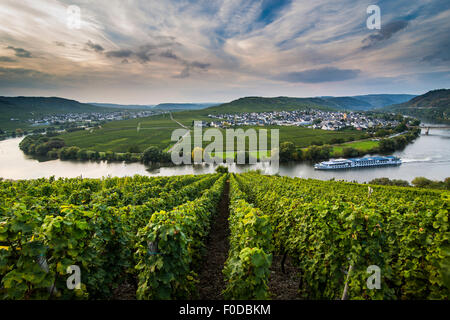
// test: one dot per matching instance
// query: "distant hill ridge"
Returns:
(184, 106)
(21, 109)
(351, 103)
(123, 106)
(432, 106)
(46, 105)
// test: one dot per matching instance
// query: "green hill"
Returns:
(382, 100)
(353, 103)
(348, 103)
(260, 104)
(433, 106)
(367, 102)
(123, 106)
(184, 106)
(22, 108)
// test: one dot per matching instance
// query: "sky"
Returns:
(154, 51)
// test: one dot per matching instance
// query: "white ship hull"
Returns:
(358, 163)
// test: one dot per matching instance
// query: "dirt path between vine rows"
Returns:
(211, 277)
(283, 285)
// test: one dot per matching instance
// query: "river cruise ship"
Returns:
(334, 164)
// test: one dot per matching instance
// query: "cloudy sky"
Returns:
(152, 51)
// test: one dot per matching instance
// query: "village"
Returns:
(89, 118)
(316, 119)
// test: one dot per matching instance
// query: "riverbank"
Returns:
(428, 156)
(47, 147)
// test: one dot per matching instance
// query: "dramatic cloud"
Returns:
(147, 52)
(385, 33)
(188, 66)
(95, 47)
(440, 52)
(168, 54)
(24, 78)
(7, 59)
(125, 53)
(328, 74)
(183, 74)
(19, 52)
(144, 53)
(200, 65)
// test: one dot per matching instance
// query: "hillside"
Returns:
(22, 108)
(353, 103)
(260, 104)
(382, 100)
(348, 103)
(184, 106)
(224, 232)
(433, 106)
(123, 106)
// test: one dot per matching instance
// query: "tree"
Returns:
(110, 155)
(67, 153)
(337, 140)
(381, 133)
(350, 152)
(151, 154)
(287, 150)
(222, 169)
(317, 153)
(82, 155)
(401, 127)
(42, 149)
(421, 182)
(387, 182)
(447, 183)
(197, 153)
(134, 149)
(325, 152)
(387, 145)
(127, 156)
(56, 143)
(400, 142)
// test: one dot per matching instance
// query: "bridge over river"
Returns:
(428, 127)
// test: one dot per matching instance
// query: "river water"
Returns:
(428, 156)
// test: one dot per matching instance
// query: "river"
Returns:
(428, 156)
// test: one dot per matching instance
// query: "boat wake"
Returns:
(406, 160)
(428, 159)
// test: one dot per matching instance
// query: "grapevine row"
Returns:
(250, 256)
(37, 247)
(329, 231)
(171, 245)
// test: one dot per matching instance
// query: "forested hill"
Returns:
(22, 108)
(433, 106)
(184, 106)
(18, 106)
(261, 104)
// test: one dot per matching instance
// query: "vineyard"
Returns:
(151, 237)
